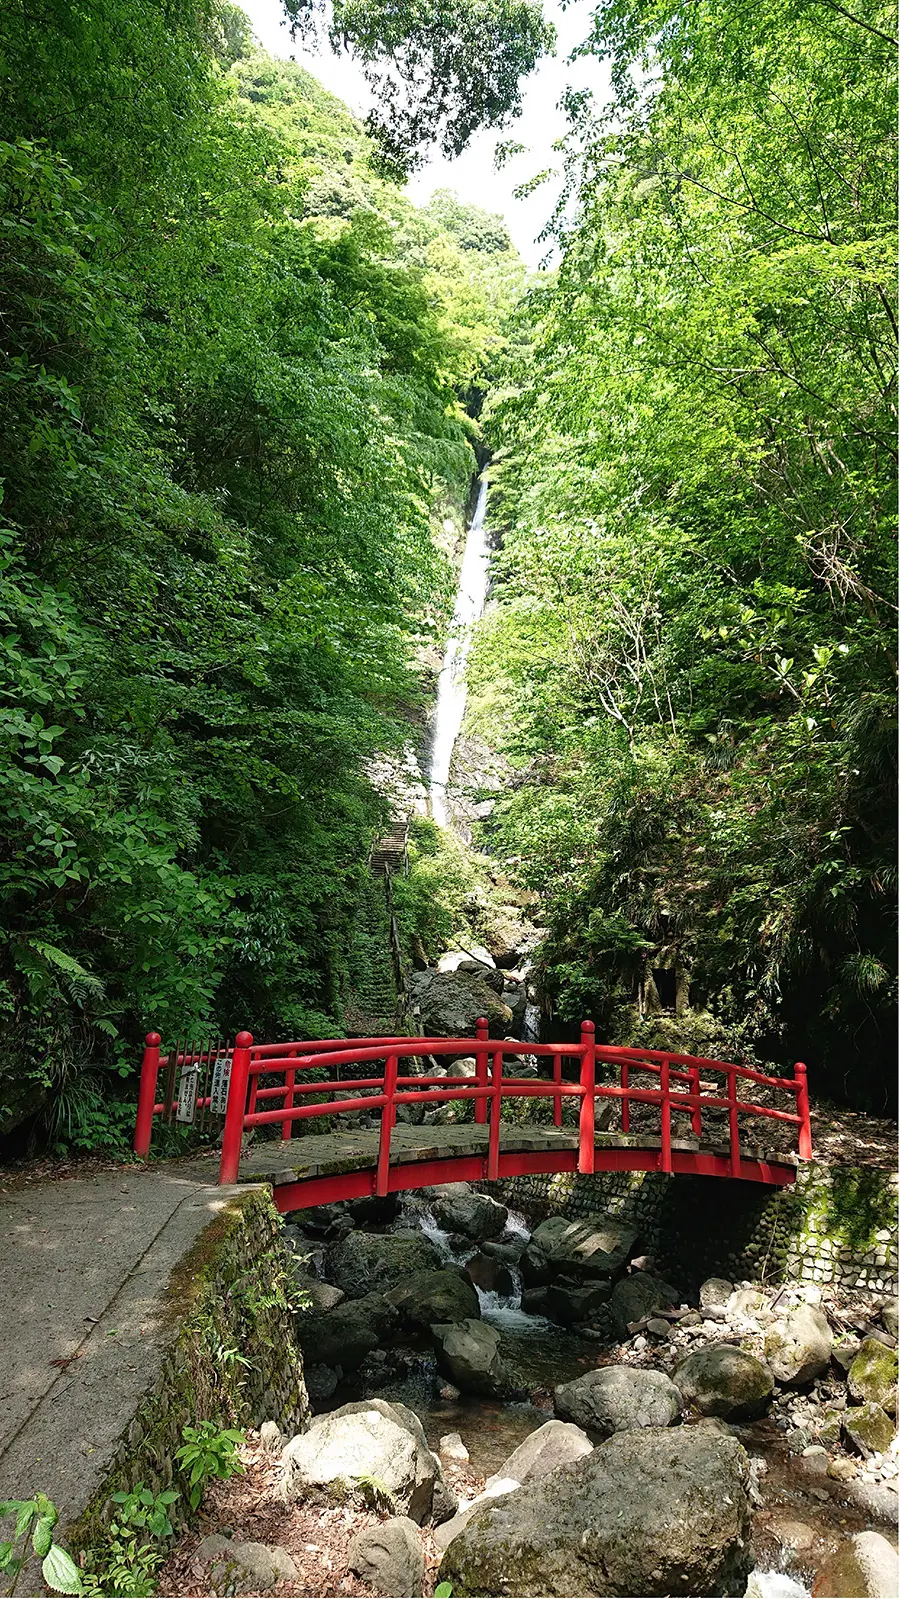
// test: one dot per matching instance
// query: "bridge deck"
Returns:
(321, 1167)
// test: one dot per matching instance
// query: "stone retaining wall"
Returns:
(836, 1225)
(226, 1299)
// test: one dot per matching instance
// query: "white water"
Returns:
(451, 694)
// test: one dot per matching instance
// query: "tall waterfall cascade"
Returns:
(451, 694)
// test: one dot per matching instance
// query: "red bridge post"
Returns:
(588, 1089)
(237, 1105)
(665, 1118)
(388, 1111)
(804, 1142)
(481, 1068)
(143, 1126)
(493, 1167)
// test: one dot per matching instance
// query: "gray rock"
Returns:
(570, 1302)
(868, 1428)
(749, 1304)
(321, 1382)
(445, 1502)
(720, 1380)
(889, 1317)
(638, 1296)
(469, 1352)
(596, 1246)
(451, 1447)
(619, 1399)
(343, 1453)
(716, 1291)
(346, 1335)
(390, 1557)
(862, 1567)
(431, 1296)
(489, 1274)
(362, 1262)
(451, 1003)
(798, 1345)
(873, 1376)
(549, 1447)
(251, 1568)
(310, 1296)
(461, 1209)
(508, 1250)
(555, 1444)
(650, 1512)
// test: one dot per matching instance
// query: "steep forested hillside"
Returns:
(690, 659)
(231, 419)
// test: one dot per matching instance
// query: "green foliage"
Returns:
(690, 658)
(230, 427)
(208, 1454)
(35, 1520)
(134, 1554)
(439, 71)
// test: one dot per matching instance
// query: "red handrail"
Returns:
(679, 1087)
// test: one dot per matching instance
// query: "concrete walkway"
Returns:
(86, 1263)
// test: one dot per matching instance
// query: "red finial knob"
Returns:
(152, 1040)
(243, 1040)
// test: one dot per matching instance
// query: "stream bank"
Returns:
(809, 1487)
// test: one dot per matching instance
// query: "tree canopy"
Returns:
(690, 657)
(231, 422)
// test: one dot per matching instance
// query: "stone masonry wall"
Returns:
(226, 1298)
(836, 1225)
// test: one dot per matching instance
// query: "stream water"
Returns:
(451, 694)
(541, 1355)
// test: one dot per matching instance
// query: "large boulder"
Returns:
(798, 1345)
(638, 1296)
(432, 1296)
(389, 1557)
(594, 1247)
(862, 1567)
(651, 1512)
(460, 1209)
(873, 1376)
(720, 1380)
(363, 1261)
(619, 1399)
(451, 1003)
(346, 1334)
(360, 1445)
(469, 1352)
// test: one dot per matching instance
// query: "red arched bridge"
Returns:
(631, 1110)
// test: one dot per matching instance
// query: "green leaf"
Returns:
(60, 1571)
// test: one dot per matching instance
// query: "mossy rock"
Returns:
(869, 1429)
(873, 1376)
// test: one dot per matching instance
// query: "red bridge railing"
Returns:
(255, 1100)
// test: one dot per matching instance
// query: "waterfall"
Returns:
(451, 694)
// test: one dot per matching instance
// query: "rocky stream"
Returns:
(530, 1410)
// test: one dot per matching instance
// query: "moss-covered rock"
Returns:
(873, 1376)
(869, 1429)
(651, 1512)
(721, 1380)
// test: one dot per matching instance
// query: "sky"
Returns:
(472, 174)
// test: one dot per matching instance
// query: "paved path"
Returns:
(86, 1262)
